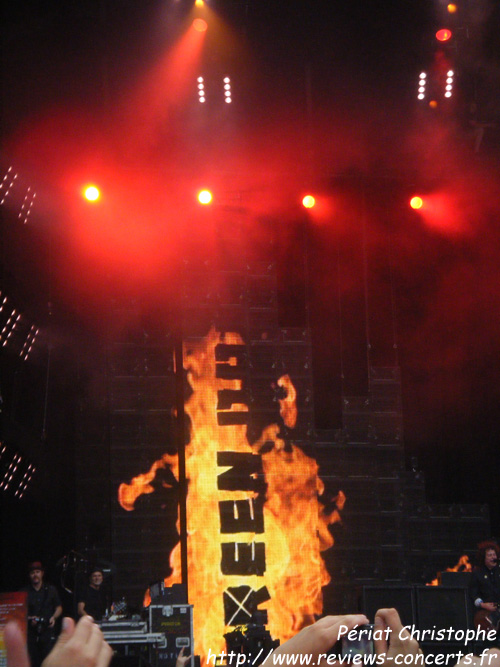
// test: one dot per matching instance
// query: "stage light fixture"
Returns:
(15, 471)
(15, 329)
(449, 83)
(201, 90)
(10, 326)
(205, 197)
(29, 342)
(91, 193)
(416, 202)
(27, 205)
(199, 3)
(308, 201)
(7, 184)
(422, 83)
(452, 8)
(227, 90)
(200, 25)
(443, 35)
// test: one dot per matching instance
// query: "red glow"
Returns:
(308, 201)
(443, 213)
(416, 202)
(200, 25)
(165, 89)
(443, 35)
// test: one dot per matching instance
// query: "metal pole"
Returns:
(181, 451)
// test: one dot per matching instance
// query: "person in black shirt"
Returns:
(94, 601)
(484, 588)
(44, 608)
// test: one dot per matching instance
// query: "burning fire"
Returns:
(288, 405)
(463, 565)
(128, 493)
(281, 538)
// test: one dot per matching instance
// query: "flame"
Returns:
(288, 405)
(295, 523)
(463, 565)
(128, 493)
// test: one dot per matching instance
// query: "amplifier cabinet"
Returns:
(380, 597)
(455, 579)
(442, 607)
(176, 623)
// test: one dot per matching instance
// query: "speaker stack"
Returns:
(430, 608)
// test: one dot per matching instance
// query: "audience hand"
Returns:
(15, 644)
(319, 638)
(83, 645)
(400, 641)
(78, 646)
(182, 659)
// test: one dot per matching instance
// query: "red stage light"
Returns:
(91, 193)
(416, 202)
(308, 201)
(200, 25)
(443, 35)
(205, 197)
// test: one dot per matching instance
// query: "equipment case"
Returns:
(176, 623)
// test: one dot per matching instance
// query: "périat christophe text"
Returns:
(409, 632)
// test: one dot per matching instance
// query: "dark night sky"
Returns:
(324, 94)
